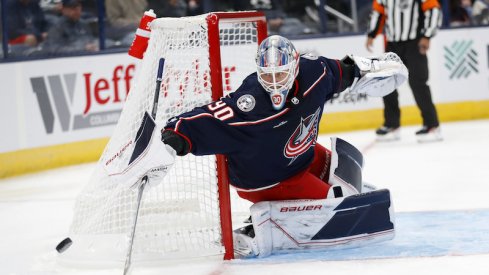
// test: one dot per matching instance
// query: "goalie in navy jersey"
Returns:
(268, 127)
(304, 195)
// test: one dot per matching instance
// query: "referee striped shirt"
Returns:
(404, 20)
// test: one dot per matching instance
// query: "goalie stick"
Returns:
(142, 142)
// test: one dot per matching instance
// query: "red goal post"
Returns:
(216, 80)
(191, 213)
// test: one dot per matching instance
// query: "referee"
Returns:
(408, 26)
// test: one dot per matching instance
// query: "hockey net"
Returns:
(187, 215)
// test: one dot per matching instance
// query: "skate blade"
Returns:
(428, 139)
(388, 138)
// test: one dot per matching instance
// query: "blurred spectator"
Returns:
(194, 8)
(125, 13)
(459, 14)
(124, 17)
(52, 10)
(301, 10)
(480, 12)
(26, 24)
(70, 34)
(90, 8)
(278, 21)
(168, 8)
(340, 16)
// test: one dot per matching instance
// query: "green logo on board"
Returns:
(461, 59)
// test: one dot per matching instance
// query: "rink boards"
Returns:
(418, 234)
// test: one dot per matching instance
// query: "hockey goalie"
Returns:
(304, 196)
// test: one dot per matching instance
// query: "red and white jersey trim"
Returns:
(256, 189)
(191, 118)
(315, 83)
(261, 120)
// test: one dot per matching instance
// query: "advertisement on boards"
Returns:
(460, 66)
(11, 108)
(70, 99)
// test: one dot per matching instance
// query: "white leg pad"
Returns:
(282, 226)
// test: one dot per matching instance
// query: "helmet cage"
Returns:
(280, 78)
(277, 68)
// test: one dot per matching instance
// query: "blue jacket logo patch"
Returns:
(303, 137)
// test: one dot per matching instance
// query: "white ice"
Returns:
(36, 209)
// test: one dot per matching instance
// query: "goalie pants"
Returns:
(417, 65)
(309, 184)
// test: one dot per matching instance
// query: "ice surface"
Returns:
(440, 193)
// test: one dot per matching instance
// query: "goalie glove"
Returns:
(150, 160)
(378, 76)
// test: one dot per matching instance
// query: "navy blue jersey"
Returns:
(263, 146)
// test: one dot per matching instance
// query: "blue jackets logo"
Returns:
(303, 137)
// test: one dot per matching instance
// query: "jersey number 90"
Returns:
(220, 110)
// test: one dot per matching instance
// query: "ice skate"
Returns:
(244, 242)
(429, 134)
(385, 133)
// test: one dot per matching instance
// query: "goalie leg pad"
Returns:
(345, 173)
(282, 226)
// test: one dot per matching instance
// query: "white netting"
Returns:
(181, 215)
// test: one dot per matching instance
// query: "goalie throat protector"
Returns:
(277, 64)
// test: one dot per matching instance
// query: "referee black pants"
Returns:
(417, 65)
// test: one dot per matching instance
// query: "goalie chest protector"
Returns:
(263, 146)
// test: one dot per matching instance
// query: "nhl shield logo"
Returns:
(246, 103)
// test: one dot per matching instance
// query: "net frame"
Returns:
(216, 79)
(217, 92)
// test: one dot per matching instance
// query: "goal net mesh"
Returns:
(180, 216)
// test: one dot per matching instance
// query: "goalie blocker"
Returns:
(353, 215)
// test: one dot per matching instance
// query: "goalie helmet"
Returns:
(277, 63)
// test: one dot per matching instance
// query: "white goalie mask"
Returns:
(277, 64)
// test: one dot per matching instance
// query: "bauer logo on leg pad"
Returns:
(301, 208)
(282, 226)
